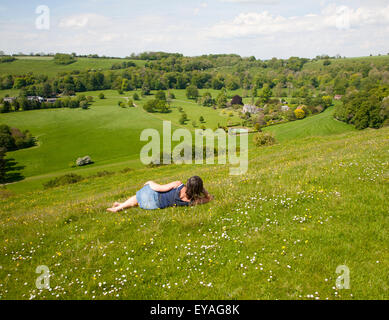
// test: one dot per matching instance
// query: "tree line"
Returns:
(257, 78)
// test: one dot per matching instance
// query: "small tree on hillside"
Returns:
(206, 100)
(192, 92)
(237, 100)
(265, 94)
(160, 95)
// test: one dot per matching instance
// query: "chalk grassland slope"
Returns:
(319, 125)
(278, 232)
(47, 66)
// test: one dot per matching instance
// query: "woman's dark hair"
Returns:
(194, 188)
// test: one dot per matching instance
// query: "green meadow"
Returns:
(314, 201)
(305, 207)
(106, 132)
(35, 65)
(322, 124)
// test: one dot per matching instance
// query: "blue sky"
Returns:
(263, 28)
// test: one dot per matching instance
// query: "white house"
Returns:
(285, 108)
(250, 108)
(9, 99)
(35, 98)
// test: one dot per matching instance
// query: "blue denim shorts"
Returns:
(147, 198)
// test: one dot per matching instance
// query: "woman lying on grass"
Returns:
(155, 196)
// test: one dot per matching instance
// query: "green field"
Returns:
(46, 65)
(315, 200)
(320, 125)
(344, 63)
(107, 133)
(305, 207)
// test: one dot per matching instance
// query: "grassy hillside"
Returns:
(46, 65)
(279, 232)
(320, 125)
(106, 132)
(344, 63)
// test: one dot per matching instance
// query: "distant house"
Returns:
(9, 99)
(35, 98)
(285, 108)
(338, 97)
(250, 108)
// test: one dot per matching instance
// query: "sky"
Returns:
(260, 28)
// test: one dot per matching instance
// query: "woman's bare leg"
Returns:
(132, 202)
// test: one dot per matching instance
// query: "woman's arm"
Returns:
(163, 187)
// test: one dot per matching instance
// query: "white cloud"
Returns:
(84, 20)
(332, 17)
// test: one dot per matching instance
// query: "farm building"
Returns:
(9, 99)
(35, 98)
(250, 108)
(285, 108)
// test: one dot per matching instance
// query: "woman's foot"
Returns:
(114, 209)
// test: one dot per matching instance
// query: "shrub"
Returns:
(7, 142)
(101, 96)
(62, 58)
(257, 127)
(135, 96)
(290, 115)
(206, 100)
(102, 174)
(7, 59)
(145, 90)
(63, 180)
(160, 95)
(156, 106)
(84, 105)
(3, 167)
(264, 139)
(299, 113)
